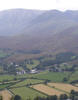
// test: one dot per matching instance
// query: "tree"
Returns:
(46, 81)
(17, 97)
(72, 92)
(1, 98)
(37, 98)
(63, 97)
(54, 97)
(65, 79)
(74, 95)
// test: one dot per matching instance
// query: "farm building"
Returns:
(33, 71)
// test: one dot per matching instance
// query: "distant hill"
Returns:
(14, 20)
(39, 32)
(52, 22)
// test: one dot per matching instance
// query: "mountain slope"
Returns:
(14, 20)
(51, 22)
(48, 32)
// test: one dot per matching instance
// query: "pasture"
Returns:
(27, 82)
(52, 76)
(31, 66)
(47, 90)
(22, 88)
(2, 86)
(27, 93)
(63, 87)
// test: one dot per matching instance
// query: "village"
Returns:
(54, 68)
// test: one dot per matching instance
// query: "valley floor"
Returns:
(32, 85)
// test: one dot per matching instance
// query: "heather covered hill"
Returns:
(39, 32)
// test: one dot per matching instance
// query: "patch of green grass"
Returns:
(6, 77)
(53, 76)
(31, 66)
(27, 93)
(28, 81)
(11, 77)
(2, 86)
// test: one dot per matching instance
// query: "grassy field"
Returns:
(27, 81)
(24, 91)
(38, 89)
(2, 86)
(27, 93)
(31, 66)
(63, 87)
(47, 90)
(11, 77)
(54, 88)
(53, 76)
(6, 77)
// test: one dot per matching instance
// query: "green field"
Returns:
(28, 81)
(31, 66)
(24, 91)
(2, 86)
(22, 88)
(27, 93)
(53, 76)
(6, 77)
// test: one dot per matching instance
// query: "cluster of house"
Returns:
(21, 72)
(55, 68)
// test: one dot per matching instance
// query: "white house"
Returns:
(33, 71)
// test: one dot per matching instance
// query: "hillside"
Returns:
(38, 55)
(14, 20)
(41, 33)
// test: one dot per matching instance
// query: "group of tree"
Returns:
(54, 97)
